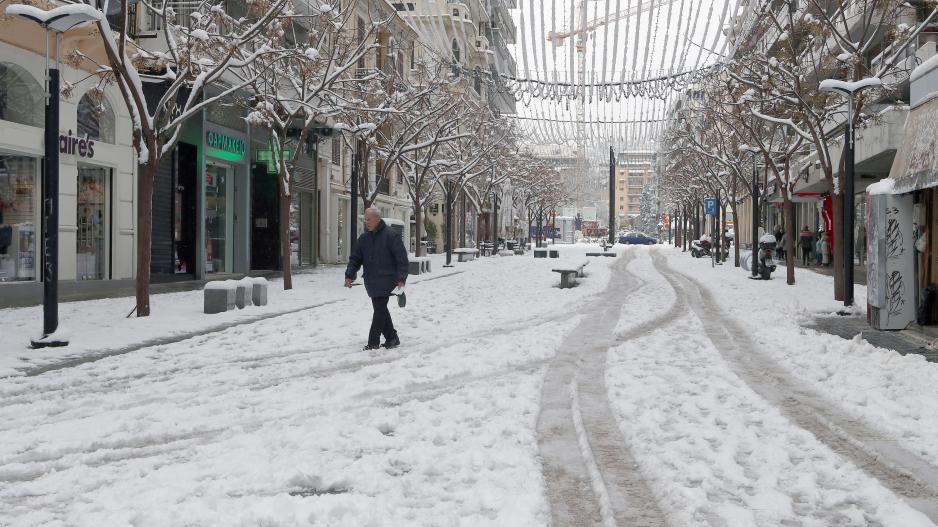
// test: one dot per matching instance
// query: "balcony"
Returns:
(876, 144)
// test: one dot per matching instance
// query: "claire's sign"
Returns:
(80, 146)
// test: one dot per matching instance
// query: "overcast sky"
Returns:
(663, 36)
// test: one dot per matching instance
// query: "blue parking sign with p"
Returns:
(710, 206)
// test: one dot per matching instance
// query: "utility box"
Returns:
(891, 264)
(397, 226)
(566, 225)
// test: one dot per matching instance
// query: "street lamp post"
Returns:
(612, 204)
(755, 206)
(849, 90)
(55, 22)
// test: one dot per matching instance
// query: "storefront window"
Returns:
(95, 117)
(91, 251)
(18, 215)
(340, 230)
(21, 96)
(218, 223)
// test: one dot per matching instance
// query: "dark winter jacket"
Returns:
(384, 257)
(806, 240)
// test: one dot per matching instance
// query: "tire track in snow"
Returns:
(897, 469)
(591, 477)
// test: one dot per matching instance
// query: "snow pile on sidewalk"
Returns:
(281, 422)
(99, 327)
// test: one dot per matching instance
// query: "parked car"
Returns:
(637, 238)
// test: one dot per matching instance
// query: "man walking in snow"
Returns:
(381, 250)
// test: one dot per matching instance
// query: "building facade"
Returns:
(97, 172)
(634, 171)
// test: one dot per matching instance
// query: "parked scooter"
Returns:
(764, 257)
(700, 248)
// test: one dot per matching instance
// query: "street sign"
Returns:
(710, 206)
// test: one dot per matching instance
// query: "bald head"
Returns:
(372, 218)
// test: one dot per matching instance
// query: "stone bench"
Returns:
(418, 265)
(465, 254)
(553, 253)
(226, 295)
(540, 252)
(569, 275)
(607, 253)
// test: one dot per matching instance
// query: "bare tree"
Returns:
(299, 88)
(202, 52)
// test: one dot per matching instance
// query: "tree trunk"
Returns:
(145, 228)
(448, 195)
(418, 227)
(540, 227)
(284, 228)
(735, 233)
(789, 238)
(462, 217)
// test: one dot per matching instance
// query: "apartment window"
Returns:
(361, 38)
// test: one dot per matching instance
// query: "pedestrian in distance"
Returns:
(381, 251)
(818, 252)
(825, 250)
(805, 241)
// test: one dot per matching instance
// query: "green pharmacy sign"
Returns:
(224, 147)
(267, 157)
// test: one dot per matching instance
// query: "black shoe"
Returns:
(371, 347)
(393, 343)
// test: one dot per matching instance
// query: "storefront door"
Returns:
(92, 249)
(219, 225)
(265, 219)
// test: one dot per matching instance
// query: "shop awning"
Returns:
(916, 164)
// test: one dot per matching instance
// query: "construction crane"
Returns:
(557, 37)
(586, 27)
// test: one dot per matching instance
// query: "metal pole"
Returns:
(848, 207)
(754, 264)
(612, 199)
(50, 210)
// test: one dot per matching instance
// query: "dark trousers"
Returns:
(381, 322)
(805, 255)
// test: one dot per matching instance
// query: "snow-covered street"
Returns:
(659, 391)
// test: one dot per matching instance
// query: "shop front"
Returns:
(225, 202)
(96, 180)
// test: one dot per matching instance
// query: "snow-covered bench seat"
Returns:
(568, 275)
(418, 265)
(465, 254)
(506, 252)
(225, 295)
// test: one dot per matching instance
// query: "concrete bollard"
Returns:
(259, 292)
(218, 297)
(241, 293)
